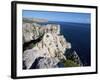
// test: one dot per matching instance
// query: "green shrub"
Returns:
(70, 63)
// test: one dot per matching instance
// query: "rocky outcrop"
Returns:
(48, 46)
(32, 31)
(73, 56)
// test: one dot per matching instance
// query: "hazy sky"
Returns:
(58, 16)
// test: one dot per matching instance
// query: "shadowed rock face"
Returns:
(72, 55)
(47, 63)
(43, 46)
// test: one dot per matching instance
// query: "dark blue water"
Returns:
(79, 35)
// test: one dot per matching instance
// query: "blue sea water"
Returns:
(79, 35)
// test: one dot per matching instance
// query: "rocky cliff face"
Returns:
(49, 47)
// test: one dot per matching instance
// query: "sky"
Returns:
(58, 16)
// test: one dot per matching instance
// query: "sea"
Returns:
(79, 35)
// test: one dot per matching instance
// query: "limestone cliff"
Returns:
(46, 47)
